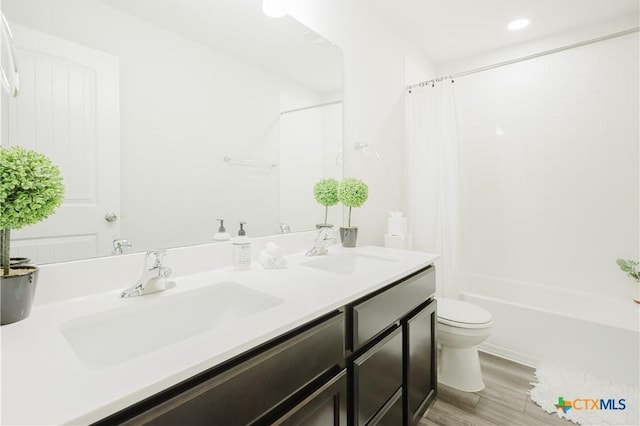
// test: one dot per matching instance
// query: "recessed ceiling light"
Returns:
(273, 8)
(517, 24)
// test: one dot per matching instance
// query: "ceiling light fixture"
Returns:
(517, 24)
(273, 8)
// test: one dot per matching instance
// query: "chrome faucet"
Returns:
(323, 240)
(154, 276)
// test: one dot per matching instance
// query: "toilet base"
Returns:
(460, 368)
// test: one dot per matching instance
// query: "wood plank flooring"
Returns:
(504, 400)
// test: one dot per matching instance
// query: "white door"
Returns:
(68, 109)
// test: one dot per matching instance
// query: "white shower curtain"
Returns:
(432, 179)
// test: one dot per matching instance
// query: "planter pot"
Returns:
(17, 261)
(349, 236)
(16, 294)
(323, 225)
(635, 292)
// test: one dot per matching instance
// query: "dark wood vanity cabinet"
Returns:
(391, 340)
(371, 363)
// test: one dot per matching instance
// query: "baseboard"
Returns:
(514, 356)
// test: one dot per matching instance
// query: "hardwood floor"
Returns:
(504, 400)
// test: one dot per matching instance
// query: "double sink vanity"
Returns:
(342, 339)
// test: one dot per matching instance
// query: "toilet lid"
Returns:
(457, 312)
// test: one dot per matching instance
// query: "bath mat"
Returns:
(585, 399)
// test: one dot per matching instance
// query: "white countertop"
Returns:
(44, 381)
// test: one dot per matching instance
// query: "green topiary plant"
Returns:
(31, 189)
(325, 191)
(352, 192)
(630, 268)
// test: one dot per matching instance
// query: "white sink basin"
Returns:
(151, 322)
(350, 264)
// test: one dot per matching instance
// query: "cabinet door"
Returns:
(420, 362)
(377, 376)
(325, 407)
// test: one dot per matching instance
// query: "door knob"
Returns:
(111, 217)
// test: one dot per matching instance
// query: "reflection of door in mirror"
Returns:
(68, 110)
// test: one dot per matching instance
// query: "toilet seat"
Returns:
(457, 313)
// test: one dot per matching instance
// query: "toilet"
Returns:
(462, 326)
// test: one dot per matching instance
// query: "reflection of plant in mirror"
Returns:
(352, 192)
(31, 189)
(325, 191)
(629, 267)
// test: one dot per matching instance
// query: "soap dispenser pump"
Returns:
(241, 250)
(222, 234)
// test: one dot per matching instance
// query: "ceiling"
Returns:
(448, 30)
(241, 29)
(445, 30)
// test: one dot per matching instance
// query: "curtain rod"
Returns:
(525, 58)
(309, 107)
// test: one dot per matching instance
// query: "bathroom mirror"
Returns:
(165, 115)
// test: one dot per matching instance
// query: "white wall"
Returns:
(374, 85)
(549, 155)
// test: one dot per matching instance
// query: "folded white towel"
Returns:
(270, 262)
(274, 250)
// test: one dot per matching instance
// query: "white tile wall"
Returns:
(549, 157)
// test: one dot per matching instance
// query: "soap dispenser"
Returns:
(241, 250)
(222, 234)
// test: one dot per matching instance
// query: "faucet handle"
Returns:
(326, 234)
(164, 272)
(155, 255)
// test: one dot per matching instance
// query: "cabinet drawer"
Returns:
(377, 376)
(371, 317)
(391, 414)
(327, 406)
(246, 392)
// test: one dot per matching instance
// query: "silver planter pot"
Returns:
(16, 295)
(349, 236)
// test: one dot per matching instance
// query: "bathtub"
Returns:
(571, 329)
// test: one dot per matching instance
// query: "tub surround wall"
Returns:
(549, 158)
(550, 199)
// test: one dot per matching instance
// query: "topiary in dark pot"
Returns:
(31, 189)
